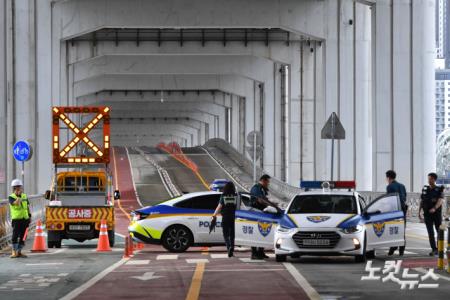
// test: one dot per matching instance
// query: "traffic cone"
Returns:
(130, 246)
(39, 244)
(103, 241)
(126, 252)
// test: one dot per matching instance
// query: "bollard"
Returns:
(441, 240)
(448, 250)
(126, 253)
(130, 245)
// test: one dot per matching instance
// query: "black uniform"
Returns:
(430, 197)
(228, 211)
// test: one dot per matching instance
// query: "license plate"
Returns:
(310, 242)
(79, 227)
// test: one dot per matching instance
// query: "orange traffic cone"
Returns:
(130, 246)
(126, 252)
(103, 241)
(39, 244)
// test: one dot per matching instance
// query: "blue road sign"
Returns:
(22, 151)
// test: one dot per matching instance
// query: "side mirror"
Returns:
(270, 210)
(47, 194)
(116, 195)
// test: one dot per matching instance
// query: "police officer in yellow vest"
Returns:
(20, 217)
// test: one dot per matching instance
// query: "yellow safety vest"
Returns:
(19, 212)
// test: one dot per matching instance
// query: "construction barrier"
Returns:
(37, 209)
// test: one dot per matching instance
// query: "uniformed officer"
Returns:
(396, 187)
(20, 217)
(431, 205)
(227, 207)
(259, 200)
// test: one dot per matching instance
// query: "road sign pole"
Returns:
(332, 158)
(23, 174)
(254, 158)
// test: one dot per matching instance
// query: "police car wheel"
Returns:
(363, 257)
(280, 258)
(177, 238)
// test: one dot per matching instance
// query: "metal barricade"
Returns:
(37, 210)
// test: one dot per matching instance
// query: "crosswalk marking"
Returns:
(219, 255)
(249, 260)
(138, 262)
(167, 256)
(197, 260)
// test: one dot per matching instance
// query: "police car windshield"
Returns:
(328, 204)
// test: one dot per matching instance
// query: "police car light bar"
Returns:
(307, 185)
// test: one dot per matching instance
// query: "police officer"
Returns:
(227, 207)
(396, 187)
(20, 217)
(431, 205)
(259, 200)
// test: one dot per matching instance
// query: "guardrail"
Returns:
(37, 209)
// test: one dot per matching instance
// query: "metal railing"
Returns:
(37, 210)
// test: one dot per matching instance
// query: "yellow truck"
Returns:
(81, 195)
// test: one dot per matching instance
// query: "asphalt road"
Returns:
(206, 273)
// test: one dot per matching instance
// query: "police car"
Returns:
(328, 221)
(218, 185)
(184, 221)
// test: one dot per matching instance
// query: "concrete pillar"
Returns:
(363, 97)
(423, 99)
(294, 116)
(25, 85)
(3, 100)
(242, 128)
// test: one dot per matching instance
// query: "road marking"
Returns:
(74, 293)
(45, 264)
(249, 260)
(302, 282)
(120, 235)
(424, 271)
(196, 283)
(221, 255)
(197, 260)
(132, 178)
(167, 256)
(147, 276)
(138, 262)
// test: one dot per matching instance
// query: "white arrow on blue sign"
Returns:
(22, 151)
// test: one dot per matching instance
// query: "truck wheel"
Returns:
(177, 238)
(111, 237)
(53, 240)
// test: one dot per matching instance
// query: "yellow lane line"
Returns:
(116, 175)
(196, 283)
(202, 180)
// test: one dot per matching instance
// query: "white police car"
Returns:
(182, 222)
(336, 222)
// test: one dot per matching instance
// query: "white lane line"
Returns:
(197, 260)
(120, 235)
(424, 271)
(45, 264)
(221, 255)
(74, 293)
(132, 178)
(302, 282)
(167, 256)
(138, 262)
(249, 260)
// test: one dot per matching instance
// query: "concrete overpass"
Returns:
(221, 69)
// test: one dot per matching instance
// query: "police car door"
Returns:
(384, 222)
(254, 228)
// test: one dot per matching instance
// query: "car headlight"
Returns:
(352, 229)
(282, 229)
